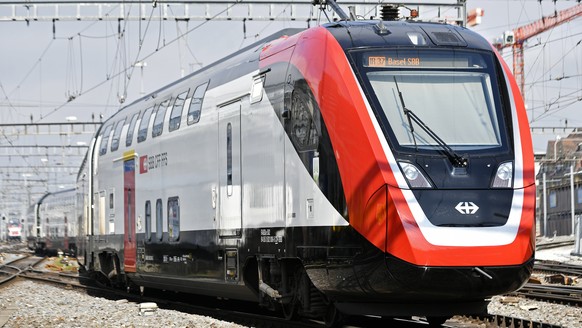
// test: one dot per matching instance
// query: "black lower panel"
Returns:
(339, 261)
(384, 278)
(195, 286)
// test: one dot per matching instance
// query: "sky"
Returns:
(86, 69)
(40, 69)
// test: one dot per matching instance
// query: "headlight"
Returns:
(504, 176)
(413, 175)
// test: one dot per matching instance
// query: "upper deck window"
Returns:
(176, 114)
(142, 133)
(105, 139)
(196, 104)
(159, 120)
(117, 134)
(131, 129)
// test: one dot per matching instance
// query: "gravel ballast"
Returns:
(31, 304)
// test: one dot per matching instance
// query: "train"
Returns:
(52, 223)
(14, 230)
(354, 168)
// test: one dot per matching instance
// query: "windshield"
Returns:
(452, 92)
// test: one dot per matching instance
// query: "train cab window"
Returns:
(579, 194)
(176, 115)
(159, 219)
(130, 130)
(159, 120)
(196, 104)
(105, 140)
(435, 99)
(148, 220)
(174, 218)
(142, 133)
(117, 134)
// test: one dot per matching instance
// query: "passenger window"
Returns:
(196, 104)
(117, 134)
(111, 200)
(159, 219)
(130, 129)
(105, 140)
(159, 120)
(142, 133)
(174, 218)
(148, 220)
(176, 115)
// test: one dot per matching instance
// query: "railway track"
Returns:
(554, 244)
(502, 321)
(238, 312)
(558, 268)
(556, 293)
(12, 269)
(551, 293)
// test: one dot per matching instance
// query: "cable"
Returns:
(132, 67)
(561, 59)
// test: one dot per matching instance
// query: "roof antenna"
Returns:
(334, 6)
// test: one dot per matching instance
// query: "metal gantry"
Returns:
(36, 158)
(219, 10)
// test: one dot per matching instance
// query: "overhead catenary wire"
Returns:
(552, 70)
(130, 69)
(126, 70)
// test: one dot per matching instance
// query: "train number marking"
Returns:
(266, 237)
(152, 162)
(467, 208)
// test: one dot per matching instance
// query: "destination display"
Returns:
(419, 59)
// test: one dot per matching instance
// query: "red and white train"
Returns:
(13, 230)
(356, 168)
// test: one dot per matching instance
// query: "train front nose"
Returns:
(448, 245)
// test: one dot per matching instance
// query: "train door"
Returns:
(229, 153)
(99, 213)
(129, 242)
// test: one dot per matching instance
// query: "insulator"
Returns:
(390, 12)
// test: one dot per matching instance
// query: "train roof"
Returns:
(350, 35)
(207, 69)
(365, 34)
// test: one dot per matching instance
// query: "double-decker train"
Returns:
(52, 223)
(354, 168)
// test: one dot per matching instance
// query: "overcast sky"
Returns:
(82, 61)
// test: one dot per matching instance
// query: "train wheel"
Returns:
(333, 317)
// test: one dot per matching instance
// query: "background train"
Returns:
(380, 168)
(52, 223)
(13, 230)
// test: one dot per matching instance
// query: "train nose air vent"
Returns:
(444, 36)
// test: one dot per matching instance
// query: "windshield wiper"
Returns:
(456, 159)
